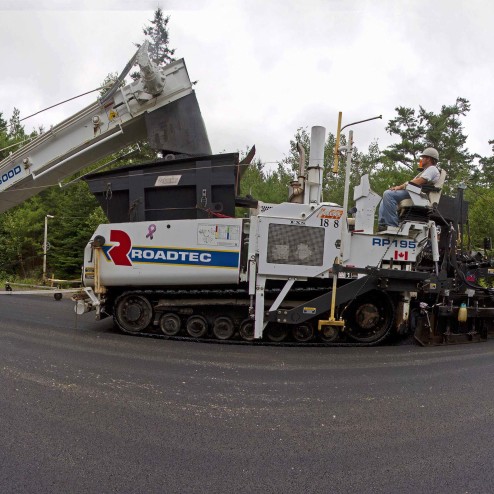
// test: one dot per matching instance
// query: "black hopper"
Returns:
(168, 189)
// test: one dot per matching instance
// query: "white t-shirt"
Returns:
(431, 174)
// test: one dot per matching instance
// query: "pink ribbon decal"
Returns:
(151, 231)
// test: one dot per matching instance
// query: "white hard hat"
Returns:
(431, 152)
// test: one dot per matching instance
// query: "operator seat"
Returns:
(422, 200)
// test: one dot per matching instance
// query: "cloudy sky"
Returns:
(264, 67)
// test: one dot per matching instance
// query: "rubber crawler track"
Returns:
(254, 343)
(238, 341)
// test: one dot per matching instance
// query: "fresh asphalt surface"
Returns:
(84, 408)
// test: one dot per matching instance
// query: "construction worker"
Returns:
(388, 209)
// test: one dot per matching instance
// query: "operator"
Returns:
(388, 210)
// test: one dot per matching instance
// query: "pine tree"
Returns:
(485, 175)
(443, 131)
(3, 124)
(15, 129)
(157, 34)
(411, 130)
(3, 138)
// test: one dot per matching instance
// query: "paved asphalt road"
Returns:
(86, 409)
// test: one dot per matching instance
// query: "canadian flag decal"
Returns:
(401, 256)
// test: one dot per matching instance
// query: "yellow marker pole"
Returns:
(97, 279)
(333, 293)
(332, 321)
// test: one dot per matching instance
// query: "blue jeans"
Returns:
(388, 213)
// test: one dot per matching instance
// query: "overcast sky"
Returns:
(264, 67)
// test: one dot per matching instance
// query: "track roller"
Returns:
(197, 326)
(276, 332)
(303, 332)
(223, 328)
(247, 330)
(170, 324)
(328, 334)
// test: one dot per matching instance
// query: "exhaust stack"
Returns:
(296, 188)
(316, 163)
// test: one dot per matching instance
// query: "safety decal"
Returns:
(330, 214)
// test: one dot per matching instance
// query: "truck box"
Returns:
(188, 188)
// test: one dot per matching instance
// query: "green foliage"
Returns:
(361, 164)
(443, 131)
(411, 130)
(21, 238)
(157, 34)
(481, 215)
(108, 82)
(265, 185)
(291, 161)
(386, 175)
(159, 39)
(3, 124)
(333, 183)
(12, 133)
(484, 175)
(15, 128)
(4, 138)
(76, 217)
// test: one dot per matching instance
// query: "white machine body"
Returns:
(167, 253)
